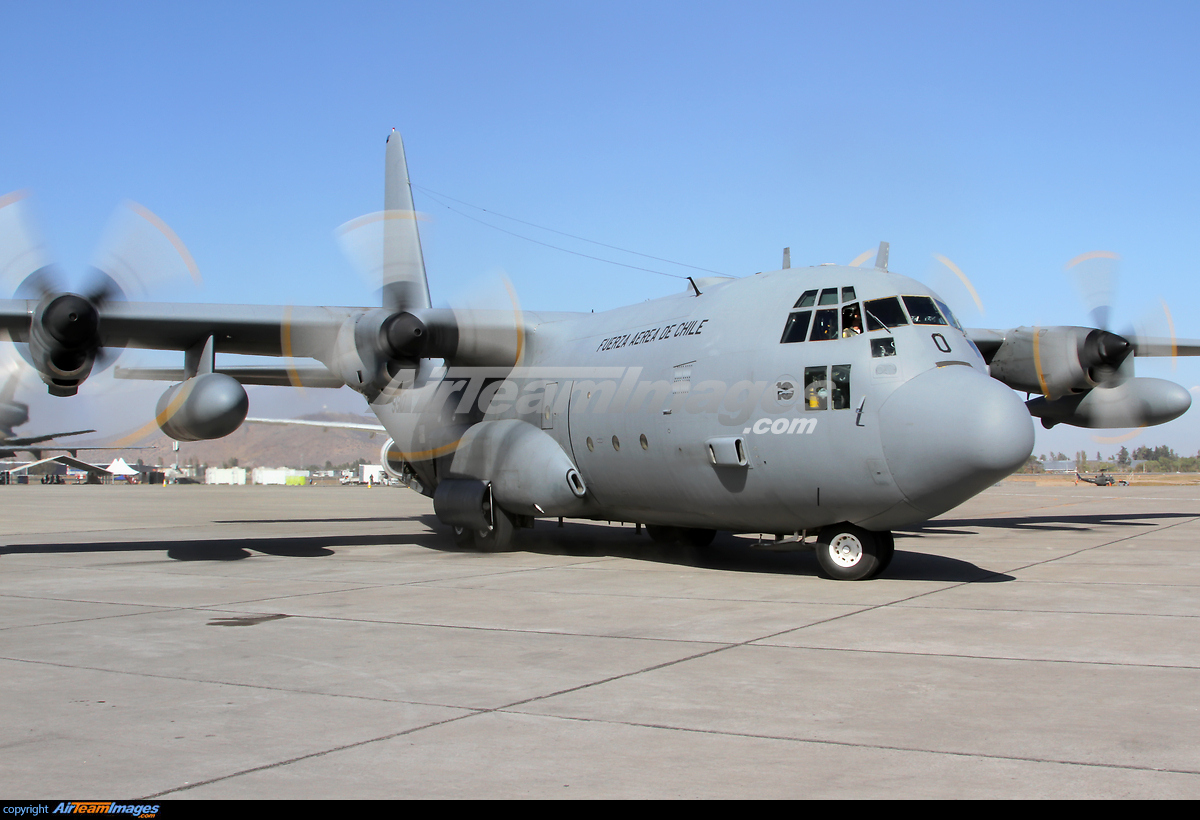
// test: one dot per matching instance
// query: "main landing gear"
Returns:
(497, 537)
(849, 553)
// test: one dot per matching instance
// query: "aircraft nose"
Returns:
(950, 433)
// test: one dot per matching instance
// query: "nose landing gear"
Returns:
(849, 553)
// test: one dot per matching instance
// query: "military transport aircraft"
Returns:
(834, 400)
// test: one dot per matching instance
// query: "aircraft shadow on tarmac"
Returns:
(728, 552)
(219, 549)
(1050, 523)
(731, 553)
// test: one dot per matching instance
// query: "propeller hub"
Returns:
(71, 320)
(1104, 349)
(404, 336)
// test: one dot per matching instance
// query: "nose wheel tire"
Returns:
(849, 553)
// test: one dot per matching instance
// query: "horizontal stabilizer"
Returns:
(333, 425)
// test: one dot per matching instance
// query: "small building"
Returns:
(279, 475)
(225, 475)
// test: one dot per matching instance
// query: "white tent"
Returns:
(119, 467)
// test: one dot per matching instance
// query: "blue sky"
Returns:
(1008, 137)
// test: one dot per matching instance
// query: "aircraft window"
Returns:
(825, 325)
(591, 445)
(645, 442)
(851, 320)
(883, 313)
(796, 328)
(848, 293)
(923, 311)
(829, 296)
(816, 388)
(948, 314)
(883, 347)
(616, 443)
(807, 300)
(840, 386)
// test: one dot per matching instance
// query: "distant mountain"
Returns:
(262, 445)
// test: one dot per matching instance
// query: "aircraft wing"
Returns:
(261, 330)
(989, 341)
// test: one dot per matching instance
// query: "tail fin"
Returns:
(405, 286)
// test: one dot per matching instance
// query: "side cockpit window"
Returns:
(839, 386)
(948, 314)
(826, 387)
(923, 311)
(816, 388)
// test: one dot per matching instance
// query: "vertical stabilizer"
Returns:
(404, 284)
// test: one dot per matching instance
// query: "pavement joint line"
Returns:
(960, 655)
(1130, 537)
(390, 736)
(509, 709)
(255, 686)
(988, 574)
(1057, 611)
(470, 712)
(852, 745)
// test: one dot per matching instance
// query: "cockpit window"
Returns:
(796, 328)
(848, 293)
(948, 314)
(840, 386)
(807, 300)
(923, 311)
(829, 296)
(816, 388)
(883, 313)
(825, 325)
(851, 320)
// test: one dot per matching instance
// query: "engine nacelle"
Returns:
(1136, 402)
(208, 406)
(63, 340)
(1059, 361)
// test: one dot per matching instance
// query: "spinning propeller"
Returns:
(1098, 388)
(65, 345)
